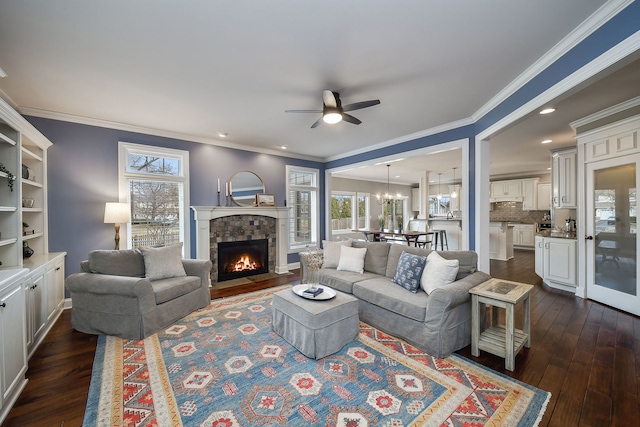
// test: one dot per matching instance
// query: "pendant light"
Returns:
(454, 193)
(439, 192)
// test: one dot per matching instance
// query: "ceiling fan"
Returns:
(333, 111)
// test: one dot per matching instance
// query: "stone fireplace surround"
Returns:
(222, 223)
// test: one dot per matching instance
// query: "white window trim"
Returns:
(125, 148)
(316, 223)
(367, 211)
(354, 211)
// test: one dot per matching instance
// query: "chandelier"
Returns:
(387, 198)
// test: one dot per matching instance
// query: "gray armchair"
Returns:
(112, 295)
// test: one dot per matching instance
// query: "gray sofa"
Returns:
(112, 296)
(439, 323)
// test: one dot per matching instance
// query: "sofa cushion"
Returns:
(375, 260)
(409, 271)
(163, 262)
(172, 288)
(342, 280)
(381, 291)
(394, 257)
(468, 261)
(331, 252)
(438, 272)
(117, 262)
(352, 259)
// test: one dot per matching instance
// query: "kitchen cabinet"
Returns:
(529, 194)
(506, 189)
(544, 196)
(415, 199)
(523, 235)
(563, 179)
(13, 351)
(556, 263)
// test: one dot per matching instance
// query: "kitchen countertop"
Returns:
(558, 234)
(445, 219)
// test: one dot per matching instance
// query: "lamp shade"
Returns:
(117, 213)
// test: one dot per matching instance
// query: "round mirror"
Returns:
(244, 187)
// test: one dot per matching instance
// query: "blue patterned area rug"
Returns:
(223, 366)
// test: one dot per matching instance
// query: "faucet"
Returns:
(449, 213)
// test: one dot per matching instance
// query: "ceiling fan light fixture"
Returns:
(331, 115)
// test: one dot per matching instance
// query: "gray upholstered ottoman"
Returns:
(316, 328)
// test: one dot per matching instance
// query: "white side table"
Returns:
(502, 340)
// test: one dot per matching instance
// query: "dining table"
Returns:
(411, 237)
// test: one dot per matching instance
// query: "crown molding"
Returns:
(577, 35)
(618, 108)
(157, 132)
(406, 138)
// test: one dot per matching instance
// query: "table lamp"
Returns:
(117, 213)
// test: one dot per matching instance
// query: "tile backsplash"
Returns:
(512, 211)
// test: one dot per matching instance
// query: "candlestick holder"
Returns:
(218, 197)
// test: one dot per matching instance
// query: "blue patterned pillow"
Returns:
(410, 271)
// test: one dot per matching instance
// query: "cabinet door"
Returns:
(13, 355)
(560, 260)
(568, 177)
(530, 194)
(539, 259)
(517, 239)
(555, 180)
(544, 197)
(527, 235)
(497, 189)
(35, 306)
(513, 188)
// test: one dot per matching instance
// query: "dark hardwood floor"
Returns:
(586, 354)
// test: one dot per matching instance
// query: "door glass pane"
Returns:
(615, 226)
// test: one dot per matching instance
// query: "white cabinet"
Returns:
(500, 241)
(556, 260)
(506, 189)
(13, 351)
(523, 235)
(415, 199)
(45, 296)
(544, 196)
(563, 179)
(529, 194)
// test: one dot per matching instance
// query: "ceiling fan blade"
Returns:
(303, 111)
(315, 125)
(360, 105)
(330, 99)
(349, 118)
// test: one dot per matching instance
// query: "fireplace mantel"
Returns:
(204, 214)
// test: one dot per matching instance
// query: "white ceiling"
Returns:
(194, 69)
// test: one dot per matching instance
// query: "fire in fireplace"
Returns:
(242, 259)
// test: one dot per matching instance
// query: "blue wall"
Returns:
(83, 175)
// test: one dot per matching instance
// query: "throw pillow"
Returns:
(163, 262)
(352, 259)
(438, 272)
(409, 271)
(331, 252)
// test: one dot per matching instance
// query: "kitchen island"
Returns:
(500, 240)
(453, 228)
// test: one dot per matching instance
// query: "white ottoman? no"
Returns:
(316, 328)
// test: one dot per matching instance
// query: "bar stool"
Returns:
(441, 236)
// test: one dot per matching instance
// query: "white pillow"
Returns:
(331, 252)
(352, 259)
(438, 272)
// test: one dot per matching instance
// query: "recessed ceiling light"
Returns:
(548, 169)
(547, 110)
(546, 141)
(284, 147)
(2, 73)
(223, 134)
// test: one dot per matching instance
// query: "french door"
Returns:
(611, 232)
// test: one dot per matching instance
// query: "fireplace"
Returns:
(242, 259)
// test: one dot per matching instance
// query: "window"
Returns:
(152, 180)
(439, 207)
(349, 211)
(302, 191)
